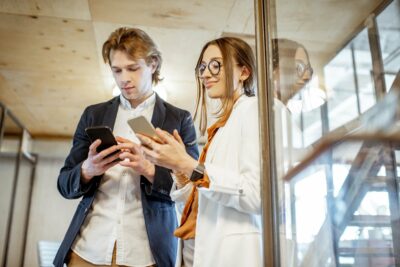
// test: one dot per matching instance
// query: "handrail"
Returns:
(330, 141)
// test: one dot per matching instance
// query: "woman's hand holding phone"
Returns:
(171, 153)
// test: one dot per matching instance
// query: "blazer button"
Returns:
(240, 191)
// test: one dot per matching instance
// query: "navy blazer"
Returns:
(158, 209)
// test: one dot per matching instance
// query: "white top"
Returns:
(228, 231)
(116, 214)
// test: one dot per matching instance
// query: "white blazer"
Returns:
(228, 231)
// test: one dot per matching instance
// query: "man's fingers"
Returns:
(115, 157)
(93, 147)
(149, 154)
(122, 140)
(135, 148)
(104, 153)
(129, 156)
(109, 165)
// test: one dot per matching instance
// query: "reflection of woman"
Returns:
(222, 190)
(291, 73)
(292, 69)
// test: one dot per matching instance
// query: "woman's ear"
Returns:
(244, 74)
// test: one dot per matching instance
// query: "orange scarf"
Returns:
(189, 216)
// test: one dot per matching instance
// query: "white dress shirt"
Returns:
(116, 215)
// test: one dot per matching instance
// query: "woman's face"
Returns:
(213, 74)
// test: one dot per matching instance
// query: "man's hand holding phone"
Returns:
(97, 163)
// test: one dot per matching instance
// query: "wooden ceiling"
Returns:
(51, 66)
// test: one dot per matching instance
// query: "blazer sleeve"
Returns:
(69, 180)
(163, 181)
(239, 189)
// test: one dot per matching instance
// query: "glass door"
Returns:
(329, 94)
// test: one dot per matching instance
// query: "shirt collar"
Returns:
(127, 105)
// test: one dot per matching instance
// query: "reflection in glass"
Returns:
(389, 35)
(348, 77)
(358, 217)
(339, 205)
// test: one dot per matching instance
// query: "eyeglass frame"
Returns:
(200, 75)
(306, 67)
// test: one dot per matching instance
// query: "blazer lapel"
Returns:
(111, 112)
(158, 117)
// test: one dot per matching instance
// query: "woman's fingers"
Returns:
(146, 141)
(165, 136)
(178, 137)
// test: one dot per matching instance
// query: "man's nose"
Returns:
(125, 77)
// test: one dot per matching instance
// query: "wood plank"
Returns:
(181, 14)
(72, 9)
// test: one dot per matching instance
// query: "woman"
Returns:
(221, 223)
(291, 72)
(291, 68)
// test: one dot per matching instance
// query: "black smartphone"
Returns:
(103, 133)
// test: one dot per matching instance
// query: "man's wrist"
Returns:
(150, 173)
(85, 178)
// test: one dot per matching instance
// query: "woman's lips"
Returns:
(208, 85)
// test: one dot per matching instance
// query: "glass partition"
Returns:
(332, 186)
(388, 23)
(358, 225)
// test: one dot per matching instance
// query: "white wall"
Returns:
(50, 213)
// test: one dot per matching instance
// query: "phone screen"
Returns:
(142, 126)
(103, 133)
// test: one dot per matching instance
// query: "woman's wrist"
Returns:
(188, 167)
(181, 179)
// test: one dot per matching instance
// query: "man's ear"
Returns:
(153, 65)
(245, 73)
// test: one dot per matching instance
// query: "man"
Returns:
(126, 217)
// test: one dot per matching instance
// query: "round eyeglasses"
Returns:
(214, 67)
(301, 69)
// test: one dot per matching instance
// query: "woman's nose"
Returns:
(206, 74)
(308, 74)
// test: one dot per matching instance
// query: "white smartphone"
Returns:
(142, 126)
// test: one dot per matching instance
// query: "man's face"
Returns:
(133, 77)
